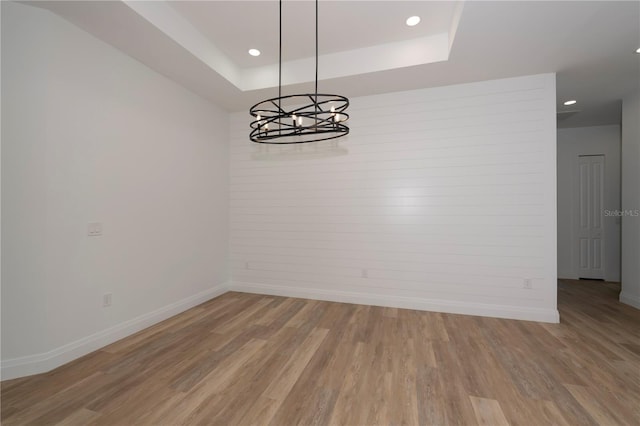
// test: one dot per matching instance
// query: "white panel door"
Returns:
(590, 232)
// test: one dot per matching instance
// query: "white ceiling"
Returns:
(365, 47)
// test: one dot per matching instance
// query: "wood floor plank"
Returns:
(379, 407)
(64, 403)
(599, 412)
(320, 381)
(201, 367)
(347, 394)
(251, 314)
(142, 402)
(404, 405)
(457, 407)
(430, 395)
(247, 359)
(260, 413)
(29, 391)
(281, 386)
(231, 407)
(488, 412)
(79, 417)
(301, 316)
(273, 313)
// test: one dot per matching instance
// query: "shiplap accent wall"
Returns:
(445, 201)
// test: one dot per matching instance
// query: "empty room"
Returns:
(315, 212)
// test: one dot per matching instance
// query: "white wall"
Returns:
(631, 200)
(90, 134)
(596, 140)
(445, 201)
(0, 196)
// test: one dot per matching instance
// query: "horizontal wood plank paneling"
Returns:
(444, 194)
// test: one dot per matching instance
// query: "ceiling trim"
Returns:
(389, 56)
(173, 25)
(382, 57)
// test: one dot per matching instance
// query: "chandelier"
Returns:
(302, 118)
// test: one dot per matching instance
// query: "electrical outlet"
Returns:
(106, 300)
(94, 229)
(527, 283)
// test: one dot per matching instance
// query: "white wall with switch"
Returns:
(92, 137)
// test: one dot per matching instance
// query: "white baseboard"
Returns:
(41, 363)
(44, 362)
(571, 276)
(630, 300)
(451, 307)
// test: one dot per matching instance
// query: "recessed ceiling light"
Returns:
(571, 102)
(413, 20)
(638, 50)
(254, 52)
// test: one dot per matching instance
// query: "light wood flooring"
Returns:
(244, 359)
